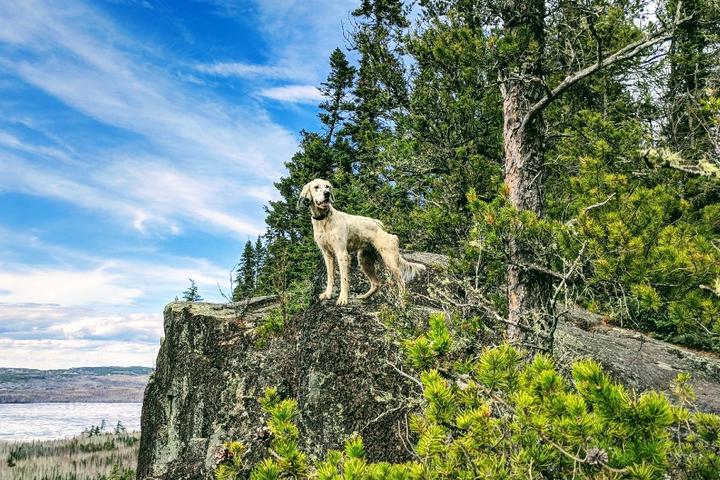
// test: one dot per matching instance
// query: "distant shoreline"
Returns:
(69, 401)
(73, 385)
(58, 420)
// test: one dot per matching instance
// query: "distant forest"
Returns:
(84, 384)
(559, 152)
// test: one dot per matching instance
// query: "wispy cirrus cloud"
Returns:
(72, 50)
(144, 156)
(300, 37)
(245, 70)
(294, 94)
(304, 34)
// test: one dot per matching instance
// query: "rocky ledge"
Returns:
(344, 367)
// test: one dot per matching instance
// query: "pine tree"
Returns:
(560, 106)
(289, 232)
(191, 294)
(692, 56)
(381, 88)
(260, 260)
(247, 272)
(335, 89)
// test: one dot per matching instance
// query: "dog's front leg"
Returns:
(344, 263)
(330, 269)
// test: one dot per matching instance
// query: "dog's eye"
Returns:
(316, 188)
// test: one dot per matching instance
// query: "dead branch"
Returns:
(410, 377)
(627, 52)
(573, 221)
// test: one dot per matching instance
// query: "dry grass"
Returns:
(100, 457)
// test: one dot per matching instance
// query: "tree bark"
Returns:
(529, 291)
(525, 96)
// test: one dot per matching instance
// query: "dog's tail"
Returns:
(409, 270)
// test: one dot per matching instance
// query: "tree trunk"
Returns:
(529, 292)
(688, 79)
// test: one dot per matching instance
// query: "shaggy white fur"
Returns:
(338, 234)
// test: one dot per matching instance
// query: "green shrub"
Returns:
(509, 418)
(295, 300)
(437, 341)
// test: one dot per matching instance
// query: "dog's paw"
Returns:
(325, 296)
(342, 301)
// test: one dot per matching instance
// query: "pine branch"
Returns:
(627, 52)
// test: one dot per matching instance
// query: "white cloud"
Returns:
(52, 336)
(104, 326)
(302, 34)
(294, 93)
(244, 70)
(78, 279)
(33, 321)
(76, 55)
(11, 142)
(65, 287)
(45, 354)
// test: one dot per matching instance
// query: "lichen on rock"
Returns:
(344, 366)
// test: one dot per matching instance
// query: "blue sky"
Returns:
(139, 140)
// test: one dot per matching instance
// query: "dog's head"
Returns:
(317, 194)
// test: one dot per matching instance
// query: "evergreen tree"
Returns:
(381, 87)
(289, 233)
(692, 59)
(528, 118)
(191, 294)
(247, 272)
(335, 89)
(260, 260)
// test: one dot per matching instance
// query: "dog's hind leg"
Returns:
(366, 259)
(330, 270)
(389, 247)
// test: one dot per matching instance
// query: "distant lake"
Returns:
(47, 421)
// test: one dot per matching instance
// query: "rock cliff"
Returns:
(344, 366)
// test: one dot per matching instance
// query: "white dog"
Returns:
(338, 234)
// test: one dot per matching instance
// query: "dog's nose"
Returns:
(327, 194)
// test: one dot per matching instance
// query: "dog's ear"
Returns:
(304, 198)
(332, 193)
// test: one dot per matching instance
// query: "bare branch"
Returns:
(573, 221)
(627, 52)
(405, 374)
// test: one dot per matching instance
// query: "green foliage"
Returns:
(412, 135)
(119, 473)
(516, 419)
(422, 350)
(294, 300)
(247, 281)
(231, 461)
(191, 294)
(650, 242)
(548, 245)
(287, 460)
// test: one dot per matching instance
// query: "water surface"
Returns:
(47, 421)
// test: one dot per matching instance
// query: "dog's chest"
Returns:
(324, 233)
